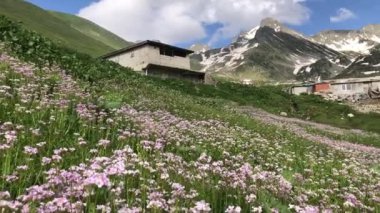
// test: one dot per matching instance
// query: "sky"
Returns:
(215, 22)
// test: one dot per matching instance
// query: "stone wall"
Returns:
(139, 58)
(350, 88)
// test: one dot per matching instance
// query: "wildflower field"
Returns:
(75, 142)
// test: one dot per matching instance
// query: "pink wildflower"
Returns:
(351, 201)
(250, 198)
(46, 161)
(36, 132)
(10, 136)
(11, 178)
(22, 168)
(4, 195)
(257, 209)
(233, 209)
(178, 190)
(56, 158)
(104, 143)
(156, 201)
(98, 179)
(129, 210)
(30, 150)
(201, 207)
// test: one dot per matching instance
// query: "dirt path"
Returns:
(299, 128)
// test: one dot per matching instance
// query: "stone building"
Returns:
(342, 88)
(158, 59)
(354, 86)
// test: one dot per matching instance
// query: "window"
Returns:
(172, 52)
(348, 86)
(166, 52)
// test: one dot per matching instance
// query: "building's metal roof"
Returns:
(353, 80)
(147, 42)
(302, 85)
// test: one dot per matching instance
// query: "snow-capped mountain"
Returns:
(354, 41)
(275, 52)
(364, 66)
(272, 51)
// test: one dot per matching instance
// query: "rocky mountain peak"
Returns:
(270, 22)
(267, 23)
(251, 34)
(279, 27)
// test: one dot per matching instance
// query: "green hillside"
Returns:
(41, 21)
(79, 134)
(92, 30)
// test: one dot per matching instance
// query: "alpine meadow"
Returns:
(79, 133)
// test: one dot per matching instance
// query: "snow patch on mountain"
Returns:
(376, 39)
(301, 62)
(354, 45)
(370, 72)
(231, 57)
(361, 59)
(337, 62)
(252, 33)
(236, 55)
(376, 65)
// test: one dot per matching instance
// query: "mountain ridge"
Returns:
(359, 41)
(274, 51)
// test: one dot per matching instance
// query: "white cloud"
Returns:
(175, 21)
(342, 14)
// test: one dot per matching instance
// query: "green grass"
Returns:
(61, 30)
(270, 98)
(366, 139)
(92, 30)
(327, 173)
(283, 149)
(273, 99)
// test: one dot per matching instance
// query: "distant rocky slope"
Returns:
(350, 41)
(273, 51)
(365, 65)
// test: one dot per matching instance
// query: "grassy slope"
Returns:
(366, 139)
(293, 155)
(92, 30)
(41, 21)
(187, 106)
(275, 100)
(271, 99)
